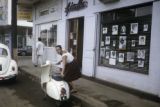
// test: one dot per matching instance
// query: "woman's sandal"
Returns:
(74, 91)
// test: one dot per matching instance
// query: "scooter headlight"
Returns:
(63, 94)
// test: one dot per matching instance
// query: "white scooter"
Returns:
(53, 84)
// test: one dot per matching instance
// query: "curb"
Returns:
(32, 77)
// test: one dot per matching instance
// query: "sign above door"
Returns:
(76, 6)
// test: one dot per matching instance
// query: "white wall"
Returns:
(52, 16)
(148, 83)
(89, 45)
(61, 33)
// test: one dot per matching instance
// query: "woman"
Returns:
(70, 69)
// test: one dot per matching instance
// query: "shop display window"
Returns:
(48, 34)
(125, 39)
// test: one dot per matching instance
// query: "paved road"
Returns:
(24, 93)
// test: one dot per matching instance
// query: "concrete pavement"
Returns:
(93, 94)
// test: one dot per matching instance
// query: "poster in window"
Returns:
(112, 61)
(102, 52)
(140, 63)
(107, 47)
(130, 56)
(141, 53)
(107, 55)
(133, 43)
(123, 30)
(122, 42)
(142, 40)
(114, 43)
(134, 28)
(121, 57)
(105, 30)
(113, 54)
(107, 40)
(102, 43)
(115, 30)
(145, 27)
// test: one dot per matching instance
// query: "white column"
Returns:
(89, 45)
(155, 47)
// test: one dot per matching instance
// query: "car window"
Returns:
(3, 52)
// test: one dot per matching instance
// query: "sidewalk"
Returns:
(93, 94)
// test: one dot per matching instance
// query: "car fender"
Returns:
(13, 64)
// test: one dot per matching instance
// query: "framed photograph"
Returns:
(115, 30)
(130, 56)
(107, 40)
(107, 55)
(112, 61)
(122, 42)
(105, 30)
(114, 43)
(75, 42)
(133, 43)
(121, 57)
(102, 52)
(107, 47)
(123, 30)
(134, 28)
(142, 40)
(102, 43)
(113, 54)
(140, 63)
(145, 27)
(141, 53)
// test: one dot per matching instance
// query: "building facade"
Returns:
(24, 30)
(113, 40)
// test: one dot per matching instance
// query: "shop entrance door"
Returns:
(75, 38)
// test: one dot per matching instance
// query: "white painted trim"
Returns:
(9, 12)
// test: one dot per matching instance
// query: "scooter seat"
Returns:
(57, 77)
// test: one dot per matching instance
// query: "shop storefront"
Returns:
(114, 40)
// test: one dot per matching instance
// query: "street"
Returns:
(25, 92)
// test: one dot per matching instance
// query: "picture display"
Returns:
(125, 44)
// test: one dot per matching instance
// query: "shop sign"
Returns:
(108, 1)
(24, 13)
(75, 7)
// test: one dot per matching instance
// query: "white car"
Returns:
(8, 67)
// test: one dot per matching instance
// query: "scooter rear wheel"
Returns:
(58, 103)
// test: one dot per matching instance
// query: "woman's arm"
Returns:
(64, 62)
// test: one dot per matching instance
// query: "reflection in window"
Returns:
(48, 33)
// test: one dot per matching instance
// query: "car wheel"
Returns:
(23, 54)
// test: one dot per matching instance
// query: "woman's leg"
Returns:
(73, 89)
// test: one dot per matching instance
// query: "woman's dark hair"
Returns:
(59, 46)
(39, 39)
